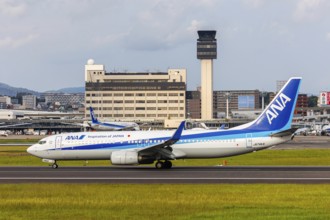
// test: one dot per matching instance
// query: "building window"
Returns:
(107, 108)
(151, 108)
(140, 94)
(162, 94)
(151, 101)
(129, 101)
(140, 108)
(162, 101)
(118, 94)
(140, 115)
(118, 101)
(151, 94)
(140, 101)
(246, 102)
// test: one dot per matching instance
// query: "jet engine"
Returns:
(130, 158)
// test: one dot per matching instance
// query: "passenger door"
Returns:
(249, 140)
(58, 142)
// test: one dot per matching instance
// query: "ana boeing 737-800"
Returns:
(272, 127)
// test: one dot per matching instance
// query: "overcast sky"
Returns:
(44, 44)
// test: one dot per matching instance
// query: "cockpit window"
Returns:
(42, 142)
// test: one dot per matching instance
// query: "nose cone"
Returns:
(29, 150)
(32, 150)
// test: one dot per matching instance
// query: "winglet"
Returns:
(177, 135)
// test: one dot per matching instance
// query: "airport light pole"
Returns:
(227, 95)
(263, 95)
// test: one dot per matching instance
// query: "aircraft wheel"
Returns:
(159, 165)
(54, 166)
(168, 164)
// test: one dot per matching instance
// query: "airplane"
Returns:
(4, 133)
(106, 126)
(96, 125)
(272, 127)
(302, 131)
(325, 130)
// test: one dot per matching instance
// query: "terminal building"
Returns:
(135, 96)
(238, 100)
(243, 100)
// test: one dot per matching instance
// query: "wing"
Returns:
(14, 125)
(84, 125)
(164, 150)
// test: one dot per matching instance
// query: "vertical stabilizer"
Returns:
(278, 114)
(94, 119)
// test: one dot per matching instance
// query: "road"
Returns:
(140, 174)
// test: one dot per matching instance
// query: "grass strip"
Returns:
(17, 156)
(27, 140)
(156, 201)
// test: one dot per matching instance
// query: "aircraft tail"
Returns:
(278, 114)
(94, 119)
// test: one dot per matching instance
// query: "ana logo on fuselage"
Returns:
(272, 111)
(74, 137)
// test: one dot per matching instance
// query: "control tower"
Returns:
(206, 52)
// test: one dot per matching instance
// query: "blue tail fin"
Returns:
(94, 119)
(278, 114)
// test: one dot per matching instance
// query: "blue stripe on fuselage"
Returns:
(220, 135)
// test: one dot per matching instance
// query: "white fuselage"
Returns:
(192, 144)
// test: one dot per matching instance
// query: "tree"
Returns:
(312, 101)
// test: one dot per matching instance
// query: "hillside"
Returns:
(8, 90)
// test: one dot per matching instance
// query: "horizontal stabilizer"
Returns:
(284, 133)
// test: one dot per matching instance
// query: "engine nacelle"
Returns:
(124, 158)
(130, 158)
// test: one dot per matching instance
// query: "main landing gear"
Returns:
(55, 166)
(163, 165)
